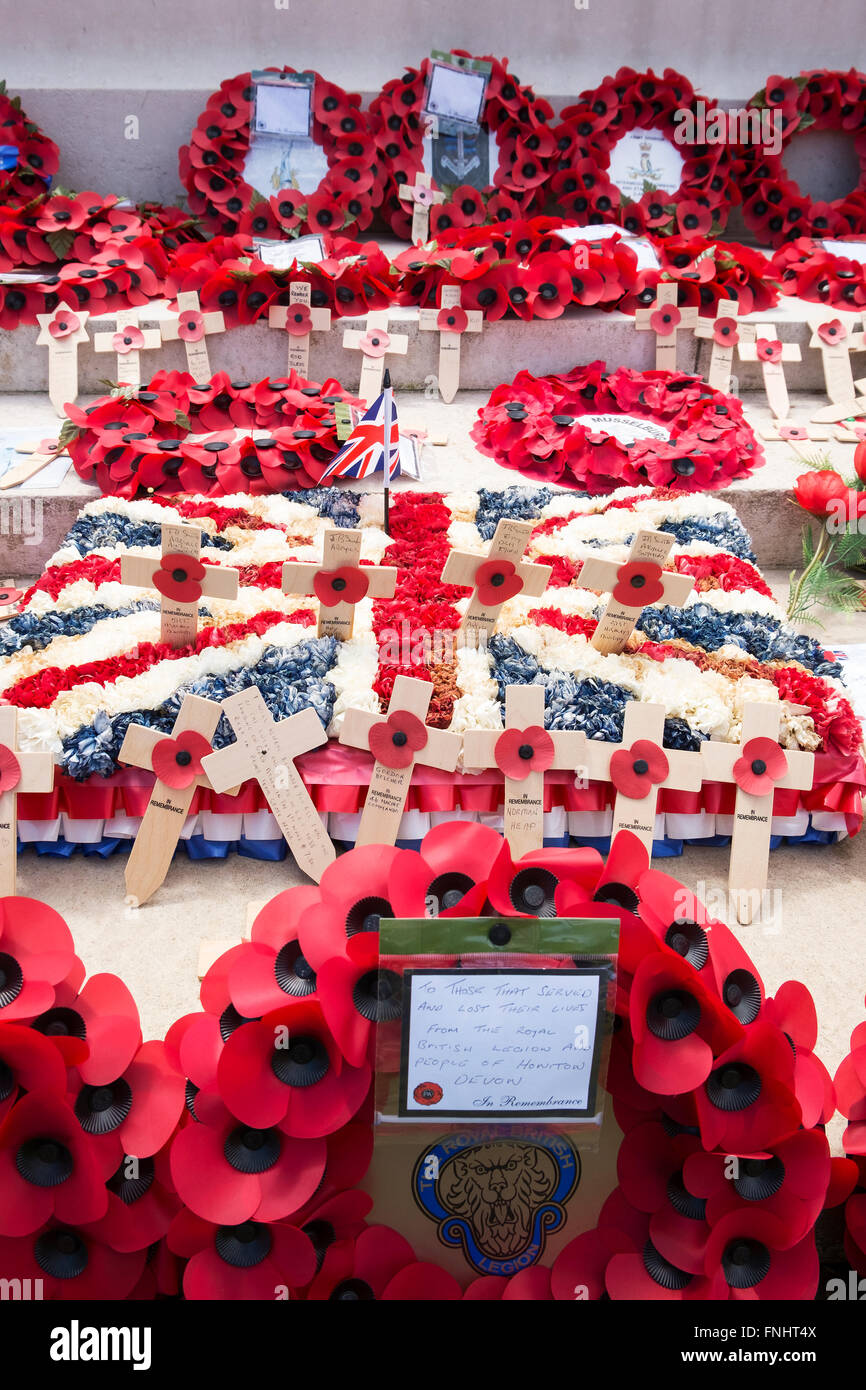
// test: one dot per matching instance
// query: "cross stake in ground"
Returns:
(19, 772)
(724, 331)
(373, 344)
(62, 332)
(397, 743)
(663, 318)
(772, 355)
(181, 580)
(266, 751)
(450, 322)
(128, 342)
(422, 197)
(299, 320)
(496, 577)
(340, 582)
(192, 327)
(633, 586)
(523, 752)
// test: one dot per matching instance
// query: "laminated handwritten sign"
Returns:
(450, 321)
(757, 765)
(374, 344)
(523, 752)
(19, 772)
(192, 326)
(496, 577)
(339, 582)
(298, 320)
(128, 342)
(181, 581)
(176, 760)
(665, 320)
(724, 331)
(639, 768)
(772, 354)
(397, 742)
(266, 750)
(62, 332)
(633, 586)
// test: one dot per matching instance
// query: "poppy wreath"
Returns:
(706, 271)
(805, 268)
(269, 1159)
(521, 267)
(850, 1084)
(354, 278)
(775, 208)
(521, 123)
(29, 159)
(212, 166)
(581, 184)
(534, 425)
(175, 435)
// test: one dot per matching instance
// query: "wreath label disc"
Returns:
(645, 158)
(626, 428)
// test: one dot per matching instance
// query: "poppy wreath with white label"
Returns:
(581, 184)
(525, 142)
(597, 430)
(212, 166)
(775, 208)
(31, 157)
(805, 268)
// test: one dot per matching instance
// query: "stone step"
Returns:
(34, 520)
(503, 348)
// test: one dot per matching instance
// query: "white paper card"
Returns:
(283, 109)
(456, 94)
(626, 428)
(852, 250)
(645, 159)
(281, 254)
(499, 1042)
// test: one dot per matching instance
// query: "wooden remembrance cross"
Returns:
(524, 794)
(724, 330)
(266, 750)
(19, 772)
(663, 318)
(422, 197)
(168, 808)
(753, 812)
(642, 722)
(299, 320)
(498, 576)
(639, 580)
(40, 455)
(192, 327)
(397, 743)
(340, 572)
(773, 368)
(373, 344)
(834, 336)
(179, 572)
(62, 332)
(128, 342)
(450, 321)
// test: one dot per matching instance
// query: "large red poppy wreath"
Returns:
(212, 166)
(113, 1187)
(31, 158)
(598, 430)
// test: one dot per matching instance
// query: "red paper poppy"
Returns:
(252, 1260)
(178, 577)
(693, 219)
(227, 1172)
(36, 954)
(448, 874)
(375, 342)
(792, 432)
(677, 1025)
(287, 1070)
(360, 1000)
(348, 584)
(521, 751)
(760, 767)
(127, 340)
(380, 1264)
(636, 770)
(395, 740)
(28, 1062)
(48, 1167)
(751, 1251)
(177, 761)
(348, 906)
(72, 1264)
(748, 1101)
(134, 1113)
(191, 327)
(63, 324)
(638, 583)
(272, 966)
(769, 350)
(790, 1181)
(299, 321)
(95, 1025)
(142, 1204)
(497, 581)
(8, 596)
(665, 321)
(726, 332)
(453, 320)
(10, 770)
(832, 332)
(528, 887)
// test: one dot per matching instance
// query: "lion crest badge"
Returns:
(498, 1196)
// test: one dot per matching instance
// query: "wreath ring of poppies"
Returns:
(631, 101)
(596, 430)
(775, 208)
(212, 166)
(526, 145)
(29, 159)
(806, 268)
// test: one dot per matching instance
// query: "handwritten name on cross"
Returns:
(633, 586)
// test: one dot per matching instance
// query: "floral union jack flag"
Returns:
(364, 451)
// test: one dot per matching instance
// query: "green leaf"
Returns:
(60, 242)
(182, 420)
(256, 198)
(69, 432)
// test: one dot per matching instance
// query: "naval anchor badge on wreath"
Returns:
(497, 1197)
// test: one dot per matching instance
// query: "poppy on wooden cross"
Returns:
(450, 321)
(298, 320)
(374, 343)
(128, 342)
(192, 326)
(665, 320)
(633, 586)
(181, 580)
(498, 576)
(339, 582)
